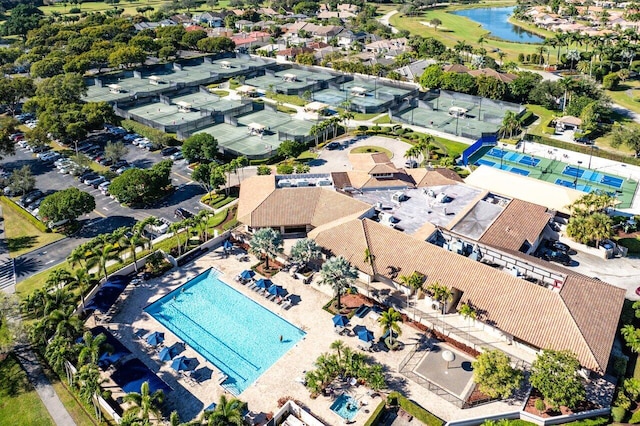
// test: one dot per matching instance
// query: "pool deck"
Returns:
(280, 380)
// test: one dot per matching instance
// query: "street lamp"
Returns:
(575, 182)
(591, 154)
(502, 147)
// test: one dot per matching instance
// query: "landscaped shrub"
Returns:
(264, 170)
(375, 415)
(399, 131)
(363, 128)
(414, 409)
(285, 169)
(617, 414)
(376, 128)
(527, 118)
(75, 10)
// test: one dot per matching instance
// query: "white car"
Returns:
(177, 156)
(49, 156)
(95, 181)
(104, 185)
(161, 227)
(138, 141)
(60, 161)
(23, 143)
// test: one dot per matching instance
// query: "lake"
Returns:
(495, 19)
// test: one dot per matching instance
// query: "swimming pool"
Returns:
(237, 335)
(345, 406)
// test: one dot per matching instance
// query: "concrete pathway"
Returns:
(7, 270)
(384, 20)
(43, 387)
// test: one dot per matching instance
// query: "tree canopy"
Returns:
(555, 375)
(68, 204)
(200, 147)
(492, 371)
(138, 187)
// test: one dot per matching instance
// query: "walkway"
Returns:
(43, 387)
(384, 20)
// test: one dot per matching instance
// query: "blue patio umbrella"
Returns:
(365, 335)
(247, 274)
(179, 363)
(276, 290)
(155, 338)
(165, 354)
(340, 321)
(227, 245)
(264, 283)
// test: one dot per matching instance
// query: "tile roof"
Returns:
(504, 77)
(582, 317)
(262, 205)
(520, 221)
(434, 177)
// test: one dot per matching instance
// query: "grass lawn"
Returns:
(34, 282)
(287, 99)
(220, 92)
(19, 402)
(129, 8)
(627, 95)
(366, 149)
(544, 116)
(23, 236)
(459, 28)
(363, 117)
(307, 155)
(385, 119)
(77, 413)
(452, 148)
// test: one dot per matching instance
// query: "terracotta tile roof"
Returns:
(261, 205)
(541, 317)
(365, 162)
(504, 77)
(520, 221)
(455, 68)
(383, 168)
(436, 177)
(340, 179)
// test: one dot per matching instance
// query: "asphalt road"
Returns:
(108, 214)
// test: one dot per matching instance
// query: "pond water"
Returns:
(495, 19)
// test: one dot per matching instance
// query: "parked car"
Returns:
(31, 197)
(104, 187)
(105, 162)
(85, 174)
(557, 256)
(50, 157)
(118, 164)
(39, 148)
(170, 150)
(13, 136)
(177, 156)
(95, 181)
(161, 227)
(183, 213)
(123, 169)
(23, 143)
(131, 137)
(557, 245)
(411, 163)
(9, 192)
(89, 178)
(333, 146)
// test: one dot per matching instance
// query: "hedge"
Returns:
(376, 414)
(414, 409)
(25, 214)
(154, 135)
(583, 149)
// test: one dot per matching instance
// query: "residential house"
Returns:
(209, 19)
(243, 24)
(291, 53)
(414, 70)
(396, 45)
(181, 19)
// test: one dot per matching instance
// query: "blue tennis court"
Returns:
(483, 162)
(498, 153)
(529, 161)
(518, 171)
(568, 184)
(616, 182)
(573, 171)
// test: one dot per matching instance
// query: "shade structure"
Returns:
(247, 274)
(155, 338)
(340, 321)
(276, 290)
(227, 245)
(365, 335)
(165, 354)
(180, 363)
(264, 283)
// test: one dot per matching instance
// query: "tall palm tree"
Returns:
(370, 259)
(338, 273)
(389, 321)
(441, 293)
(82, 280)
(468, 312)
(139, 228)
(101, 255)
(228, 412)
(57, 352)
(339, 347)
(58, 299)
(131, 241)
(145, 402)
(175, 228)
(345, 117)
(58, 278)
(305, 251)
(573, 55)
(267, 243)
(78, 256)
(90, 348)
(568, 84)
(90, 380)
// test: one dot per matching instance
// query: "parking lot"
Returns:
(109, 214)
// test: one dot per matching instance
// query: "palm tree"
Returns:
(501, 56)
(146, 402)
(573, 55)
(131, 241)
(58, 278)
(78, 255)
(57, 352)
(389, 321)
(139, 228)
(59, 299)
(228, 412)
(100, 256)
(345, 117)
(510, 124)
(81, 279)
(90, 380)
(305, 251)
(339, 347)
(90, 348)
(541, 51)
(370, 259)
(267, 243)
(468, 312)
(315, 131)
(175, 229)
(339, 274)
(441, 293)
(567, 83)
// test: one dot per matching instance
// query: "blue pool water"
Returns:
(237, 335)
(345, 406)
(496, 20)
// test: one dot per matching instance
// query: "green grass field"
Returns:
(128, 6)
(19, 402)
(456, 28)
(627, 95)
(22, 236)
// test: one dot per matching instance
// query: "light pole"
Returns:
(591, 155)
(457, 119)
(575, 182)
(502, 147)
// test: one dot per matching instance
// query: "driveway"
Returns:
(337, 160)
(621, 272)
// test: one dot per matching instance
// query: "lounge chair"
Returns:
(286, 304)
